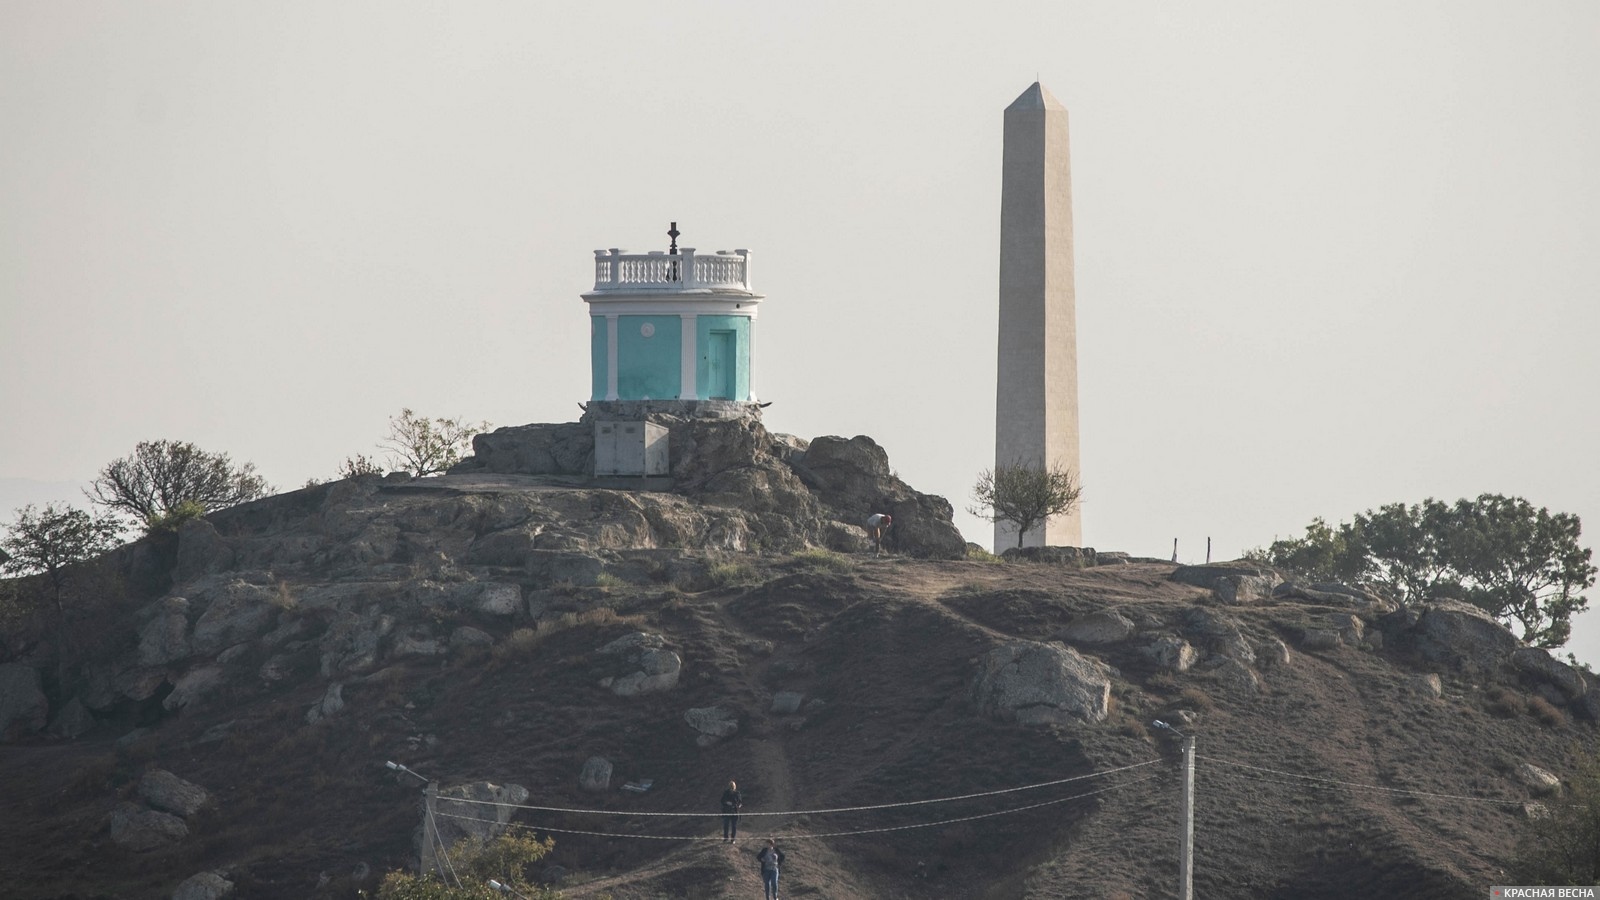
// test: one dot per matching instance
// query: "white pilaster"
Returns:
(611, 357)
(688, 365)
(752, 363)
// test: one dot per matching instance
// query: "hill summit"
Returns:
(595, 660)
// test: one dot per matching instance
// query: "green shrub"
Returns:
(731, 574)
(819, 559)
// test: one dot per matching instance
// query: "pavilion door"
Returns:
(721, 368)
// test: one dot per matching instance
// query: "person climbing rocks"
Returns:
(877, 524)
(731, 804)
(771, 859)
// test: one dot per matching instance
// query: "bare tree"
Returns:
(1025, 494)
(53, 543)
(423, 446)
(162, 476)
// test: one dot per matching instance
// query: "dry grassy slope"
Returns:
(889, 645)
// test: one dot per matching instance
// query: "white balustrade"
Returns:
(619, 270)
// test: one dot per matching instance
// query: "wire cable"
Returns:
(806, 812)
(827, 834)
(1351, 784)
(439, 839)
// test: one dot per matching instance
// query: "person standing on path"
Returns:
(771, 859)
(731, 804)
(877, 524)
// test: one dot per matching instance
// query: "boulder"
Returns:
(139, 684)
(712, 724)
(165, 638)
(23, 707)
(500, 599)
(1463, 636)
(169, 793)
(140, 829)
(1541, 665)
(1273, 653)
(1238, 590)
(1237, 677)
(1206, 576)
(192, 686)
(1172, 653)
(201, 551)
(489, 808)
(1035, 684)
(204, 886)
(238, 612)
(331, 703)
(465, 636)
(1429, 685)
(542, 449)
(1539, 781)
(1106, 626)
(1319, 639)
(1351, 629)
(642, 664)
(786, 703)
(73, 720)
(596, 774)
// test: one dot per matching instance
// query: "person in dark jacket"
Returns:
(731, 804)
(771, 860)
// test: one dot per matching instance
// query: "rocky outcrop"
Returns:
(1071, 557)
(1462, 636)
(480, 810)
(1539, 664)
(22, 704)
(642, 664)
(1539, 781)
(1172, 653)
(1206, 576)
(712, 724)
(1037, 684)
(165, 637)
(1105, 626)
(1238, 590)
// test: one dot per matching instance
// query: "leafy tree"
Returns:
(473, 864)
(1025, 494)
(420, 445)
(1522, 565)
(1562, 847)
(161, 478)
(358, 465)
(54, 543)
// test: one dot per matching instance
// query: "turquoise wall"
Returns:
(740, 326)
(597, 357)
(648, 366)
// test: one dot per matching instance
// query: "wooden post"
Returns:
(1186, 852)
(1174, 549)
(427, 861)
(1208, 550)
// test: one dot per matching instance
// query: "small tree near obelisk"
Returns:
(1025, 494)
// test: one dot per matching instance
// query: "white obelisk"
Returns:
(1036, 413)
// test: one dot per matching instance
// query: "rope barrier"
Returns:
(827, 834)
(804, 812)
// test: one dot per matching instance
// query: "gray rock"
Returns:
(204, 886)
(139, 684)
(1273, 653)
(1208, 623)
(1350, 628)
(1035, 684)
(785, 703)
(1541, 665)
(1172, 653)
(418, 643)
(642, 664)
(1206, 576)
(1463, 636)
(140, 829)
(1100, 627)
(192, 686)
(165, 638)
(169, 793)
(713, 723)
(239, 612)
(1237, 677)
(201, 551)
(465, 636)
(500, 599)
(1429, 685)
(1319, 639)
(1072, 557)
(23, 706)
(1540, 781)
(352, 640)
(73, 720)
(276, 668)
(485, 817)
(1239, 590)
(332, 703)
(596, 774)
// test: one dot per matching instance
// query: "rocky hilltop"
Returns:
(530, 637)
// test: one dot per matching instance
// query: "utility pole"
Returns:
(1208, 551)
(1186, 852)
(1186, 839)
(426, 860)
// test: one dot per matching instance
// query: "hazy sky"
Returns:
(1329, 255)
